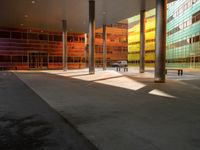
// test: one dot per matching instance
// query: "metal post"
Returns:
(142, 40)
(161, 11)
(91, 36)
(104, 47)
(64, 40)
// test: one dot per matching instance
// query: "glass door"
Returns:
(38, 60)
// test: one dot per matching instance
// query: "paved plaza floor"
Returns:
(27, 122)
(118, 110)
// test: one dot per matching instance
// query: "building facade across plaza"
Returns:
(134, 39)
(183, 36)
(36, 49)
(22, 48)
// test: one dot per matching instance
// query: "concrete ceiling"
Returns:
(47, 14)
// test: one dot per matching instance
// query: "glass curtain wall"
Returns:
(134, 39)
(183, 36)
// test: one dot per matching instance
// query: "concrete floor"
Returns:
(28, 123)
(125, 111)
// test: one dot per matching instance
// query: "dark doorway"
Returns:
(38, 60)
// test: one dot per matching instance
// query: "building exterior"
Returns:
(183, 35)
(38, 49)
(134, 39)
(117, 46)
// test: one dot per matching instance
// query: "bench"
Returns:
(119, 69)
(180, 71)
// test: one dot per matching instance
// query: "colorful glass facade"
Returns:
(134, 39)
(22, 48)
(183, 35)
(116, 43)
(35, 49)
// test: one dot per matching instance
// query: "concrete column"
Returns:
(64, 40)
(142, 40)
(104, 47)
(85, 49)
(91, 36)
(161, 11)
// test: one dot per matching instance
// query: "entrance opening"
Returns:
(38, 60)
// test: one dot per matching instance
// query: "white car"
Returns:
(122, 63)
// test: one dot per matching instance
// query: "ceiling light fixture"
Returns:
(33, 2)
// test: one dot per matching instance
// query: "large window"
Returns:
(184, 42)
(70, 38)
(24, 35)
(16, 35)
(196, 17)
(50, 37)
(33, 36)
(58, 38)
(57, 59)
(181, 9)
(5, 58)
(43, 37)
(17, 59)
(4, 34)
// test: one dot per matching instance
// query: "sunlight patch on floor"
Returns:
(122, 82)
(100, 75)
(161, 93)
(68, 73)
(108, 77)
